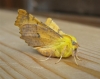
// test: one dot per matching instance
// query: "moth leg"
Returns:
(59, 59)
(75, 56)
(63, 51)
(47, 57)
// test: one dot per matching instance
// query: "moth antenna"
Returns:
(76, 56)
(75, 59)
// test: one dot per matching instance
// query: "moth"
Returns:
(46, 38)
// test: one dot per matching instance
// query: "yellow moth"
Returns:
(46, 38)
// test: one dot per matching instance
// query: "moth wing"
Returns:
(34, 32)
(49, 22)
(25, 18)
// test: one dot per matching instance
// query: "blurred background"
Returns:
(82, 11)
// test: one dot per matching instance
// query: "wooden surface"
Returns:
(19, 61)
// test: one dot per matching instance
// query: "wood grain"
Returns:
(19, 61)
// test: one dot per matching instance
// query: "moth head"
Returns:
(74, 42)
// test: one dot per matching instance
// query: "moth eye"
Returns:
(73, 42)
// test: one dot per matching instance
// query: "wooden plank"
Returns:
(19, 61)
